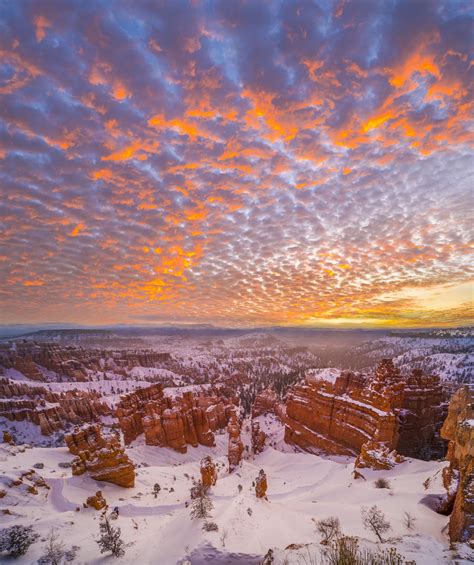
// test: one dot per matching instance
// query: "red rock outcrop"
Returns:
(96, 501)
(261, 485)
(71, 361)
(376, 455)
(172, 422)
(208, 472)
(267, 402)
(101, 456)
(384, 410)
(235, 446)
(50, 410)
(458, 477)
(258, 438)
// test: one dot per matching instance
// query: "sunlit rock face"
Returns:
(101, 456)
(72, 362)
(458, 477)
(208, 472)
(172, 422)
(258, 438)
(383, 409)
(235, 446)
(51, 411)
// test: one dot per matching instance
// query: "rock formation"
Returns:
(208, 472)
(258, 438)
(235, 445)
(96, 501)
(101, 456)
(267, 402)
(51, 411)
(384, 409)
(172, 422)
(458, 477)
(261, 485)
(72, 362)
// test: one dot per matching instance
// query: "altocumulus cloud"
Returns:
(235, 162)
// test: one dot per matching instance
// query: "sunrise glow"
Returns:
(237, 163)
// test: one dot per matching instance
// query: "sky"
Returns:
(236, 162)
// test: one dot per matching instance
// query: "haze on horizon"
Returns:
(237, 163)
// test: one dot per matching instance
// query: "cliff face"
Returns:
(50, 410)
(458, 477)
(172, 422)
(101, 456)
(267, 402)
(368, 414)
(73, 362)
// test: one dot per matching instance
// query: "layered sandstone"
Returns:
(458, 477)
(73, 362)
(366, 415)
(235, 446)
(101, 456)
(50, 411)
(188, 419)
(267, 402)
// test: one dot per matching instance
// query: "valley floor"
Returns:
(301, 487)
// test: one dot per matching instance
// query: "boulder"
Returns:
(97, 501)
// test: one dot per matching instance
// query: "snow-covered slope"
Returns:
(302, 487)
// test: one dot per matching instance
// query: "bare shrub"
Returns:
(223, 537)
(374, 519)
(409, 521)
(210, 527)
(345, 551)
(328, 528)
(382, 482)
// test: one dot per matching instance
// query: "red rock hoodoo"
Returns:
(208, 472)
(258, 438)
(458, 477)
(261, 485)
(172, 422)
(101, 456)
(235, 445)
(370, 416)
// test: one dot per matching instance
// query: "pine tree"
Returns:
(17, 539)
(110, 540)
(201, 504)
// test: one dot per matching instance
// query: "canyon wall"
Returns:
(458, 477)
(377, 413)
(73, 362)
(50, 410)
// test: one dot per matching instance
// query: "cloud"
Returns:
(236, 162)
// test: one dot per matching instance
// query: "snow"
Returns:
(328, 374)
(160, 531)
